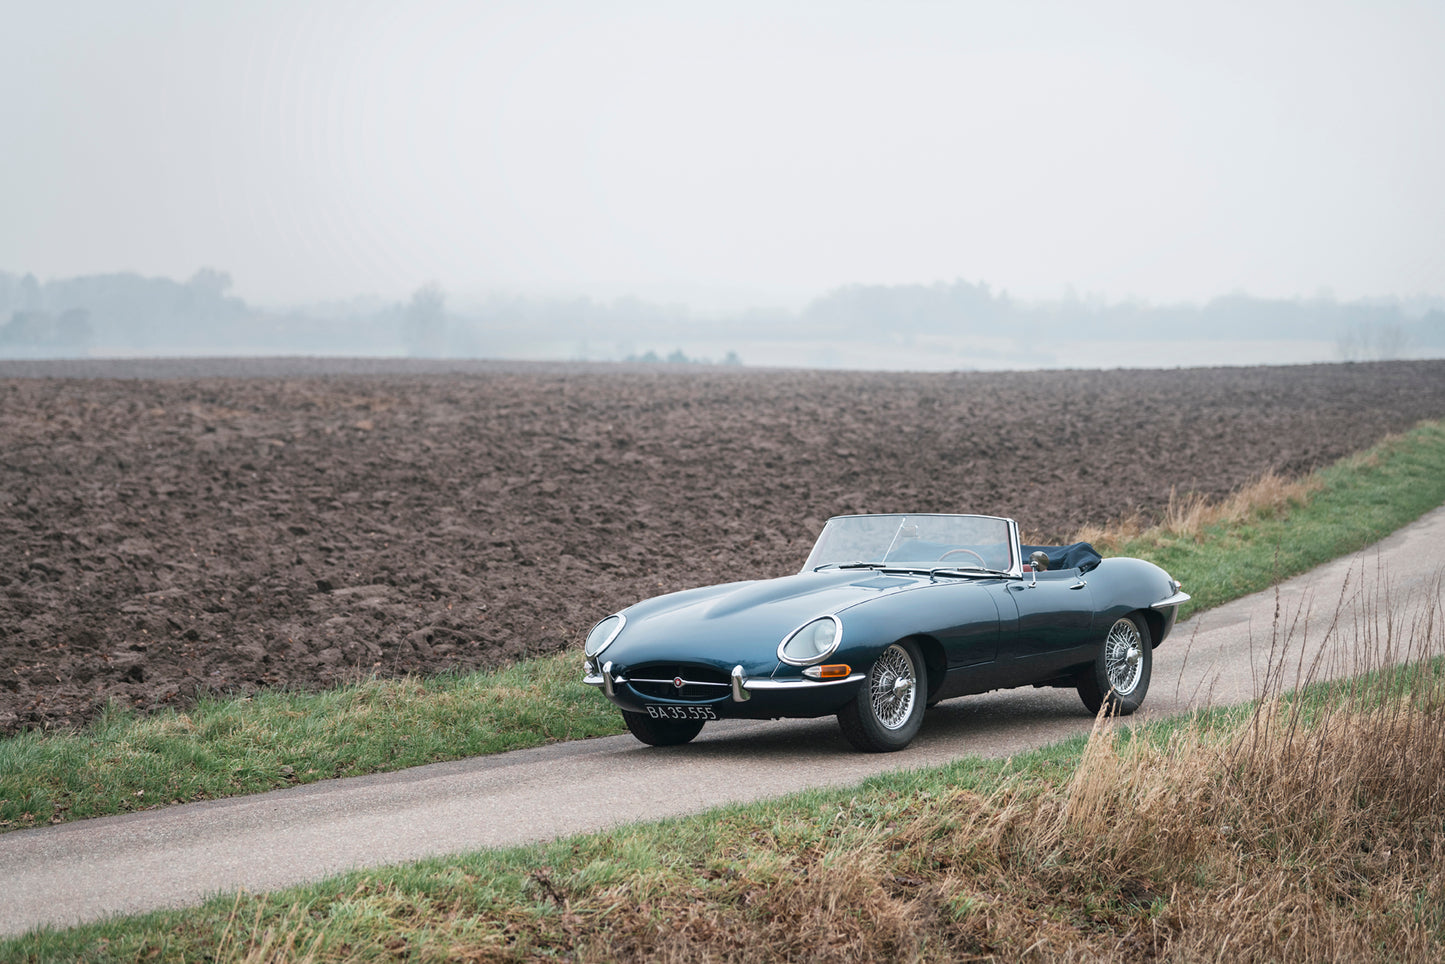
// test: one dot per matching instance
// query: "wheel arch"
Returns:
(935, 660)
(1154, 620)
(1125, 586)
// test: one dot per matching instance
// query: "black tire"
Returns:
(888, 710)
(661, 732)
(1120, 673)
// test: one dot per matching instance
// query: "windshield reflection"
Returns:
(918, 541)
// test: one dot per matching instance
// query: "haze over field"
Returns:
(911, 184)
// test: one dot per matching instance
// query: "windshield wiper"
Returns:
(966, 571)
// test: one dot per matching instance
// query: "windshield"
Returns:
(915, 542)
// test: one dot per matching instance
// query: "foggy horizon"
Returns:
(727, 155)
(954, 326)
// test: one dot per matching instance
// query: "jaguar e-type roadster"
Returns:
(890, 614)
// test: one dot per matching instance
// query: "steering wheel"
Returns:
(954, 552)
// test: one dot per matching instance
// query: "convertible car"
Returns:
(890, 614)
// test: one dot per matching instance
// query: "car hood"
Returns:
(743, 622)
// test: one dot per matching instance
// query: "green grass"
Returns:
(227, 747)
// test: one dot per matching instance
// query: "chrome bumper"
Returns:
(742, 687)
(1174, 600)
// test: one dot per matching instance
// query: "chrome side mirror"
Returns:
(1038, 562)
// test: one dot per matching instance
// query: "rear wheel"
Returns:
(888, 710)
(661, 732)
(1120, 673)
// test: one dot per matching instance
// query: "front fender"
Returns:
(1122, 586)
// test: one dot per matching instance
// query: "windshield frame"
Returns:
(1014, 570)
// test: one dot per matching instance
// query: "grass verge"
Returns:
(228, 747)
(1275, 529)
(1305, 827)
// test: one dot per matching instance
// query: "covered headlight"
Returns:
(812, 643)
(602, 634)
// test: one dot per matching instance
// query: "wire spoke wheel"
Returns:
(1124, 657)
(888, 710)
(1119, 675)
(892, 688)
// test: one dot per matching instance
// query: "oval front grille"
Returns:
(659, 680)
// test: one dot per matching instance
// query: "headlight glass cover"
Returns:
(813, 642)
(603, 633)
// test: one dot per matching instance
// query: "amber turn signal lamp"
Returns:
(834, 671)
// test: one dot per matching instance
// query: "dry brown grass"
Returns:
(1112, 537)
(1278, 841)
(1188, 514)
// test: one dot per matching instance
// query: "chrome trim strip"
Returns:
(621, 625)
(669, 682)
(773, 685)
(1015, 549)
(1174, 600)
(837, 641)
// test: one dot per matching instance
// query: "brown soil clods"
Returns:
(164, 537)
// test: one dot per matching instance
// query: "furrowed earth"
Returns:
(174, 528)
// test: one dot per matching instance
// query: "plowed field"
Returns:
(304, 523)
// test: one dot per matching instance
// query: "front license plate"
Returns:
(682, 712)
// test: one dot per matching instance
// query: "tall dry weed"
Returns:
(1187, 515)
(1112, 537)
(290, 939)
(1312, 831)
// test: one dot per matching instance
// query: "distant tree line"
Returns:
(678, 357)
(129, 314)
(117, 311)
(1361, 329)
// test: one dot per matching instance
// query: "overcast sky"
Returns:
(320, 150)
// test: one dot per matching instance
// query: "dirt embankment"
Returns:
(165, 536)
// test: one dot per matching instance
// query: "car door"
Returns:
(1053, 618)
(971, 631)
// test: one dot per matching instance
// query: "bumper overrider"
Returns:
(1169, 607)
(800, 696)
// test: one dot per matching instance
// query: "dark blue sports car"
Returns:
(890, 614)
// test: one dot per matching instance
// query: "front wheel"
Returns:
(888, 710)
(661, 732)
(1120, 673)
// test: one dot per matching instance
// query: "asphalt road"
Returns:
(178, 856)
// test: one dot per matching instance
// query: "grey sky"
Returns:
(320, 150)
